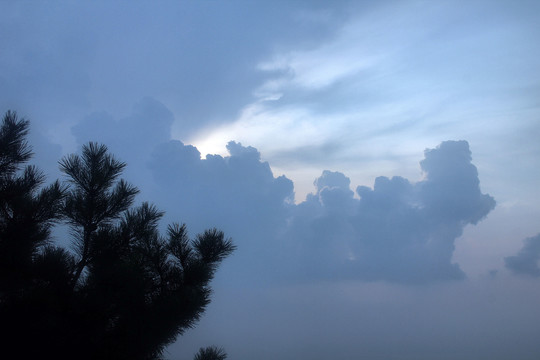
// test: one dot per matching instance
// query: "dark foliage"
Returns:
(210, 353)
(27, 210)
(125, 293)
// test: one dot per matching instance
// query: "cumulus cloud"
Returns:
(216, 187)
(237, 193)
(526, 261)
(397, 231)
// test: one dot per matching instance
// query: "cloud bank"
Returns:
(396, 231)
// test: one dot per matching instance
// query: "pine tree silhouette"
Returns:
(127, 291)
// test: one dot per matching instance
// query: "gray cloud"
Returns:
(149, 124)
(131, 138)
(396, 231)
(67, 60)
(525, 262)
(237, 193)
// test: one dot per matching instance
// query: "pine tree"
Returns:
(31, 268)
(210, 353)
(127, 291)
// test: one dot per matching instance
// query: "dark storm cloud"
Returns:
(525, 262)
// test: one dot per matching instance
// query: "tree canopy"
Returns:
(125, 291)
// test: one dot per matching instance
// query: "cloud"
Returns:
(525, 262)
(62, 66)
(149, 124)
(131, 138)
(407, 231)
(452, 187)
(237, 193)
(397, 231)
(411, 79)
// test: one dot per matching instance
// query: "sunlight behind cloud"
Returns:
(297, 109)
(389, 83)
(259, 124)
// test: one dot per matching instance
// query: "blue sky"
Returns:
(376, 163)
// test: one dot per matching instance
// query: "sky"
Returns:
(376, 163)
